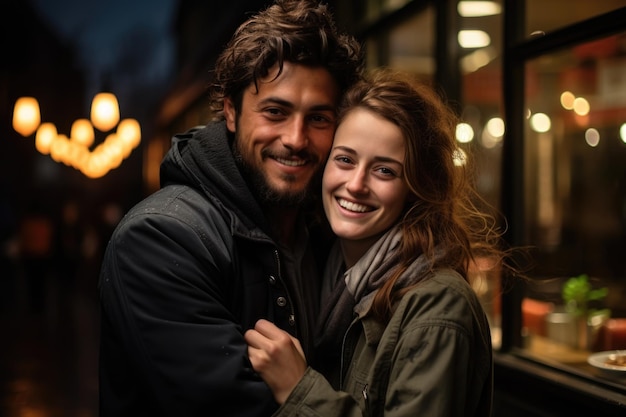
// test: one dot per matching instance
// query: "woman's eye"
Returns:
(343, 159)
(387, 172)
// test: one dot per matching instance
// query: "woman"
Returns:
(410, 332)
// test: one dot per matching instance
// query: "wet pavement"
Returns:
(48, 351)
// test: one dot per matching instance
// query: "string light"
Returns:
(26, 116)
(74, 151)
(105, 112)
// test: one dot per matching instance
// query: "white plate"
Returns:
(598, 360)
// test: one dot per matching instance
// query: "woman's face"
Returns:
(363, 188)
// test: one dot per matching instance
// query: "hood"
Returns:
(202, 159)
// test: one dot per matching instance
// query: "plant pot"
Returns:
(562, 327)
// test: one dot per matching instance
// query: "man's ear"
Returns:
(230, 114)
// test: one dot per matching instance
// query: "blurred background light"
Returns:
(540, 122)
(464, 133)
(567, 100)
(478, 8)
(473, 38)
(105, 111)
(26, 116)
(592, 137)
(581, 106)
(82, 132)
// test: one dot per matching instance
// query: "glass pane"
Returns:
(546, 16)
(412, 44)
(481, 89)
(391, 5)
(481, 69)
(575, 202)
(370, 10)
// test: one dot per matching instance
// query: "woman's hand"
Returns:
(277, 357)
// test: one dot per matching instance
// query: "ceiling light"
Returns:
(473, 39)
(478, 8)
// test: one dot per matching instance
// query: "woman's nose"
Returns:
(357, 183)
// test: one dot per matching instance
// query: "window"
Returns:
(545, 99)
(575, 199)
(401, 47)
(546, 16)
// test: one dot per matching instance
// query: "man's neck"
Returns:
(283, 223)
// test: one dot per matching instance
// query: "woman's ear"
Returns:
(230, 115)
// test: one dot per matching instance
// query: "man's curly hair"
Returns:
(296, 31)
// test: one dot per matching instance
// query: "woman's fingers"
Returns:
(267, 344)
(277, 357)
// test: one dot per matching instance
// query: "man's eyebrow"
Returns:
(325, 107)
(277, 101)
(284, 103)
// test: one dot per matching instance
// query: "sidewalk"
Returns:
(48, 359)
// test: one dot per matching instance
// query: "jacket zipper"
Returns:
(344, 354)
(343, 350)
(287, 293)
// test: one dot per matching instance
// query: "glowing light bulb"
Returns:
(82, 132)
(105, 111)
(26, 116)
(46, 134)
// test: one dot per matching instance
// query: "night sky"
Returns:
(120, 44)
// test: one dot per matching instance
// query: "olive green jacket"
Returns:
(434, 358)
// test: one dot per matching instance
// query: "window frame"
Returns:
(553, 390)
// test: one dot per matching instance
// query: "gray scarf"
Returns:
(348, 294)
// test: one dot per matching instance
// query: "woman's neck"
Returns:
(353, 250)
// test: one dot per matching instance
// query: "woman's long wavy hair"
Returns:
(442, 219)
(295, 31)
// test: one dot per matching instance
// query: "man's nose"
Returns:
(295, 135)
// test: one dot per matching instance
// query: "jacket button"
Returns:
(281, 301)
(272, 280)
(292, 320)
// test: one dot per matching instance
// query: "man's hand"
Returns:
(277, 357)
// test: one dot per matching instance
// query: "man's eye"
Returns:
(322, 120)
(274, 111)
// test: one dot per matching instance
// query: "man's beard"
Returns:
(263, 191)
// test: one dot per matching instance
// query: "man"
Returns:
(224, 242)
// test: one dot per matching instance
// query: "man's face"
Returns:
(284, 131)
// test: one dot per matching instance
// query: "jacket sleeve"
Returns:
(167, 339)
(441, 364)
(411, 390)
(315, 397)
(429, 374)
(429, 367)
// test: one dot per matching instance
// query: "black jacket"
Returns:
(186, 272)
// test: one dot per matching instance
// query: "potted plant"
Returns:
(579, 297)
